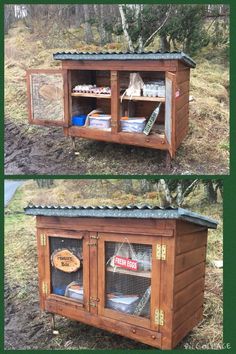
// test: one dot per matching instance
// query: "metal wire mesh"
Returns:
(128, 284)
(47, 96)
(63, 283)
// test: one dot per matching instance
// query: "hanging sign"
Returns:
(65, 261)
(126, 263)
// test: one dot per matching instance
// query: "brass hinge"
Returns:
(94, 237)
(161, 252)
(93, 301)
(93, 243)
(43, 240)
(44, 288)
(159, 317)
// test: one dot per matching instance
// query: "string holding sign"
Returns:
(124, 257)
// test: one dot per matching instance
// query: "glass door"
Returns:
(67, 267)
(130, 289)
(47, 93)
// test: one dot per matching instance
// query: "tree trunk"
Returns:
(138, 18)
(128, 185)
(145, 186)
(164, 193)
(125, 28)
(8, 17)
(99, 10)
(211, 193)
(165, 45)
(44, 183)
(87, 27)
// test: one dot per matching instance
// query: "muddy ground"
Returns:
(40, 150)
(26, 327)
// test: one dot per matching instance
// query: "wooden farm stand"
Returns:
(153, 257)
(52, 102)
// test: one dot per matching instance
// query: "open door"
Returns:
(47, 97)
(170, 112)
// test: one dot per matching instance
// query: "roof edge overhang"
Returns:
(122, 212)
(184, 58)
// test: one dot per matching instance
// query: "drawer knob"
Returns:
(134, 330)
(153, 337)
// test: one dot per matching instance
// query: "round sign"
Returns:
(65, 261)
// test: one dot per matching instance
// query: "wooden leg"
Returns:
(73, 146)
(53, 326)
(73, 143)
(168, 161)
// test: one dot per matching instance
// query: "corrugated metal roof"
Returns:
(141, 211)
(126, 56)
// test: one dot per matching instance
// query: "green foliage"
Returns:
(185, 29)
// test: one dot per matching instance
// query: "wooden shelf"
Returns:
(91, 95)
(129, 272)
(144, 98)
(134, 98)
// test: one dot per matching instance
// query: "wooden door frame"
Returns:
(172, 144)
(80, 235)
(46, 122)
(155, 279)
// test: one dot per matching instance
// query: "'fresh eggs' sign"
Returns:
(126, 263)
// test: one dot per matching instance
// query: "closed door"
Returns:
(66, 261)
(130, 279)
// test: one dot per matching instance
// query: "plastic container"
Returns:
(75, 294)
(101, 121)
(59, 291)
(79, 120)
(132, 125)
(123, 303)
(161, 91)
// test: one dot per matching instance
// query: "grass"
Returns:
(206, 147)
(21, 255)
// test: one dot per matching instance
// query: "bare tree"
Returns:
(44, 183)
(8, 17)
(87, 26)
(125, 27)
